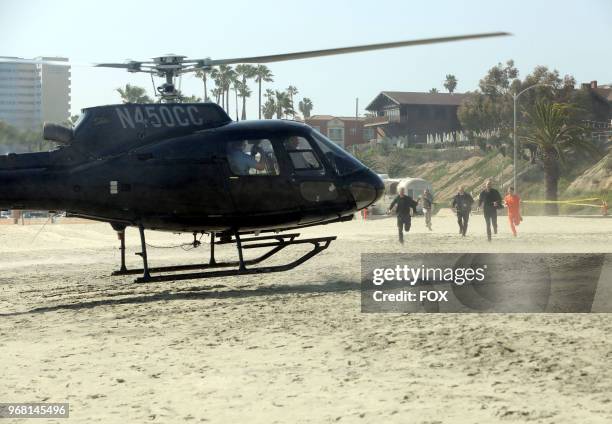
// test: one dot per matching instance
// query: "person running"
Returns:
(462, 204)
(404, 204)
(513, 203)
(427, 205)
(490, 200)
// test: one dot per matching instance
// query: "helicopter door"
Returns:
(255, 180)
(319, 195)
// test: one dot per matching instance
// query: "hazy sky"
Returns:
(573, 37)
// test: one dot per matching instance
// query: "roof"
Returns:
(416, 98)
(604, 93)
(330, 117)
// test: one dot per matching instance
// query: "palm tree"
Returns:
(305, 106)
(433, 90)
(269, 107)
(245, 72)
(292, 91)
(283, 104)
(215, 74)
(202, 74)
(226, 76)
(216, 94)
(262, 73)
(244, 91)
(450, 83)
(235, 81)
(223, 76)
(230, 77)
(133, 94)
(553, 137)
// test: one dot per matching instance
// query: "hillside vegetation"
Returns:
(447, 169)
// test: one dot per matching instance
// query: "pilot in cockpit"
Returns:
(241, 162)
(301, 153)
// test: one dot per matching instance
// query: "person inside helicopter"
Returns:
(241, 163)
(303, 158)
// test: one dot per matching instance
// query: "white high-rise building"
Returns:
(33, 93)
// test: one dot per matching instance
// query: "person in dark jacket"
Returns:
(462, 204)
(490, 200)
(404, 204)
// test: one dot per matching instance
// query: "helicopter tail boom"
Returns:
(24, 184)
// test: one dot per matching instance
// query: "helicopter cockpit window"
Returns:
(252, 157)
(341, 161)
(303, 158)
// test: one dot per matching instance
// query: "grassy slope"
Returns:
(447, 169)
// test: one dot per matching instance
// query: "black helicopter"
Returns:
(186, 167)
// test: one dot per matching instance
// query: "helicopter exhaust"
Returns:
(58, 133)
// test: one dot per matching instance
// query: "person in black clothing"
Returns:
(404, 204)
(462, 204)
(490, 200)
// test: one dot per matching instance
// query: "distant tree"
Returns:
(433, 90)
(269, 107)
(228, 81)
(283, 104)
(262, 74)
(190, 99)
(500, 79)
(291, 92)
(245, 72)
(203, 74)
(133, 94)
(553, 136)
(235, 81)
(223, 76)
(244, 91)
(305, 107)
(16, 140)
(450, 83)
(215, 93)
(490, 109)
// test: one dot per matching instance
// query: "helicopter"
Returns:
(187, 167)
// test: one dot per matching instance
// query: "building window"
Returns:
(392, 113)
(336, 135)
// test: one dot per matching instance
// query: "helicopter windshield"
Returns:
(341, 161)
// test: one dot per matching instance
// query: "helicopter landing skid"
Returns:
(275, 243)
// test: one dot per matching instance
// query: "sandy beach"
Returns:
(293, 346)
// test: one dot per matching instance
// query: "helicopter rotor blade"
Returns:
(352, 49)
(124, 65)
(113, 65)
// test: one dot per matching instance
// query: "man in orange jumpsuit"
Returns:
(513, 202)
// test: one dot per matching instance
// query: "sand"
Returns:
(293, 346)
